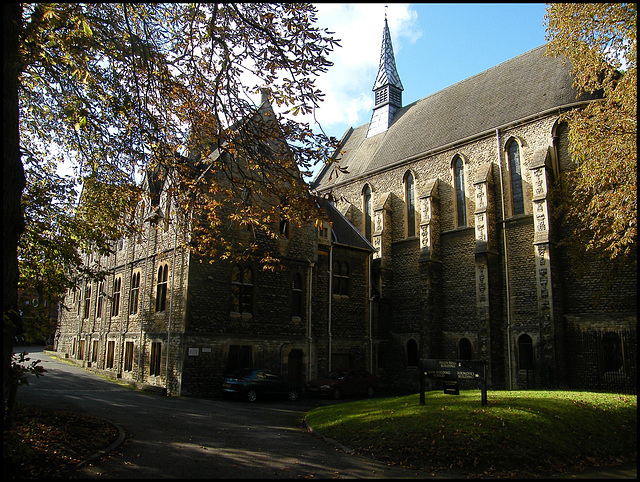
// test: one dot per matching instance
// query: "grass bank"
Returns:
(519, 433)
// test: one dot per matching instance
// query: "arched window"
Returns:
(461, 210)
(525, 352)
(409, 196)
(412, 353)
(87, 299)
(100, 300)
(465, 350)
(367, 210)
(161, 288)
(513, 153)
(135, 293)
(115, 307)
(297, 308)
(241, 289)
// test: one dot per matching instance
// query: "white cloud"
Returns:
(347, 85)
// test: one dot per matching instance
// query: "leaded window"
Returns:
(461, 209)
(513, 153)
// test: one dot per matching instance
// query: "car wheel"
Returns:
(294, 394)
(337, 394)
(370, 391)
(252, 395)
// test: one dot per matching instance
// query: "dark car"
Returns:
(341, 383)
(254, 383)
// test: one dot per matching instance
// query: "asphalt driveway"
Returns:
(171, 437)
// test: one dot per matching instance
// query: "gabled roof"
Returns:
(524, 86)
(343, 232)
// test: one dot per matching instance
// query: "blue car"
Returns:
(254, 383)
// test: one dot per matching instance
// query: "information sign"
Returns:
(450, 372)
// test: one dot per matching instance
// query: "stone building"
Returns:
(164, 317)
(454, 193)
(441, 243)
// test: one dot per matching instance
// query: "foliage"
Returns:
(117, 93)
(600, 41)
(48, 444)
(519, 433)
(120, 89)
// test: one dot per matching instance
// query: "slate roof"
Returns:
(342, 231)
(526, 85)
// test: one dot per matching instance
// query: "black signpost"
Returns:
(450, 371)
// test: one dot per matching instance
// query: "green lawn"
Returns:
(517, 433)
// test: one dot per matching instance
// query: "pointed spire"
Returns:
(387, 88)
(387, 73)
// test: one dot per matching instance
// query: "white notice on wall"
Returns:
(193, 351)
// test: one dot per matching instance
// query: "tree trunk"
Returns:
(13, 182)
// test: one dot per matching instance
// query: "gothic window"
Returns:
(513, 153)
(87, 299)
(100, 300)
(461, 210)
(77, 295)
(241, 289)
(340, 278)
(115, 307)
(412, 353)
(135, 293)
(465, 350)
(240, 356)
(409, 195)
(525, 352)
(367, 209)
(161, 288)
(297, 308)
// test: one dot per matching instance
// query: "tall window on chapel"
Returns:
(513, 153)
(366, 200)
(461, 210)
(409, 196)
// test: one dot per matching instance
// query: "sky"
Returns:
(435, 46)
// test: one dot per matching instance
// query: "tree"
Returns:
(120, 90)
(600, 195)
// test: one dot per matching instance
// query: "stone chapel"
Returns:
(453, 191)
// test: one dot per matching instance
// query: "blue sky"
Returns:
(435, 46)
